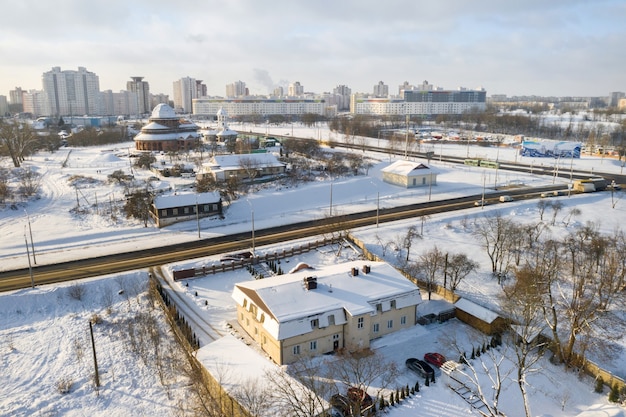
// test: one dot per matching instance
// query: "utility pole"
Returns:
(95, 359)
(32, 243)
(30, 267)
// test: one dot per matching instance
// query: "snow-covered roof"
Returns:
(155, 126)
(475, 310)
(185, 199)
(291, 306)
(163, 111)
(228, 353)
(226, 132)
(403, 167)
(234, 161)
(142, 136)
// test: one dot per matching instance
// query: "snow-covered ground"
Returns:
(38, 326)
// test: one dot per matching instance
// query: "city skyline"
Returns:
(559, 48)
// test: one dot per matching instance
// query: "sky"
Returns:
(555, 48)
(30, 319)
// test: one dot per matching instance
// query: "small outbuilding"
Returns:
(178, 207)
(409, 174)
(479, 317)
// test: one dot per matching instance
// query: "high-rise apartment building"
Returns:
(236, 89)
(381, 90)
(16, 99)
(342, 94)
(4, 106)
(295, 89)
(185, 90)
(35, 103)
(71, 92)
(142, 89)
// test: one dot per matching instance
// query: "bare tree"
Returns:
(431, 263)
(30, 182)
(360, 370)
(250, 166)
(542, 205)
(522, 303)
(459, 266)
(557, 206)
(574, 211)
(17, 140)
(407, 242)
(254, 396)
(299, 393)
(494, 233)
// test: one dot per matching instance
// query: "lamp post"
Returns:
(32, 243)
(197, 216)
(252, 217)
(30, 267)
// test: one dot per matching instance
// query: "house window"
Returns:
(314, 345)
(247, 322)
(245, 303)
(186, 210)
(336, 337)
(315, 323)
(242, 317)
(331, 320)
(296, 350)
(423, 180)
(379, 308)
(390, 324)
(175, 212)
(264, 339)
(256, 330)
(164, 213)
(403, 320)
(393, 303)
(376, 327)
(360, 322)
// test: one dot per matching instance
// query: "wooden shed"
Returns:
(479, 317)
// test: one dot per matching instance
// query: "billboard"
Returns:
(550, 149)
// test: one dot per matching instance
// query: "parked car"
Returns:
(420, 367)
(435, 358)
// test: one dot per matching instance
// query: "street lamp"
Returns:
(30, 267)
(32, 243)
(252, 216)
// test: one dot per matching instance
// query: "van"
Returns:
(505, 198)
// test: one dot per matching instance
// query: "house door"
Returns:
(336, 345)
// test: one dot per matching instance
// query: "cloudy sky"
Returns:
(515, 47)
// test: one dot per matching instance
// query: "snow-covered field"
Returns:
(39, 327)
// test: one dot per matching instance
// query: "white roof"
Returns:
(236, 365)
(185, 199)
(403, 167)
(291, 307)
(163, 111)
(475, 310)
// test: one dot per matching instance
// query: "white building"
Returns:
(71, 92)
(316, 311)
(236, 89)
(409, 174)
(142, 90)
(223, 167)
(185, 91)
(252, 105)
(295, 89)
(35, 102)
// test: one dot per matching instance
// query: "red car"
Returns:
(436, 359)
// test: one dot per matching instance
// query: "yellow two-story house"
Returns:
(317, 311)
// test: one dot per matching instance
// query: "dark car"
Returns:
(420, 367)
(435, 358)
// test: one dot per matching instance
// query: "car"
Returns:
(546, 194)
(420, 367)
(435, 358)
(505, 198)
(480, 203)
